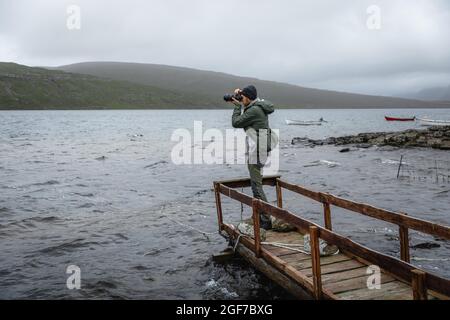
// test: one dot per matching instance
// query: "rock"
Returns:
(281, 226)
(387, 148)
(247, 229)
(325, 249)
(345, 150)
(434, 143)
(445, 145)
(297, 140)
(426, 245)
(433, 137)
(363, 145)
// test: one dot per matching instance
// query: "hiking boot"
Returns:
(266, 225)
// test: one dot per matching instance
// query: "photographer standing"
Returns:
(260, 139)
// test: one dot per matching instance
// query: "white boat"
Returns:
(430, 122)
(305, 122)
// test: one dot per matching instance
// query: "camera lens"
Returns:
(228, 97)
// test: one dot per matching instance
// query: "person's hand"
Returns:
(237, 91)
(236, 102)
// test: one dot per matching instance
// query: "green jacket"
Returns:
(255, 115)
(253, 120)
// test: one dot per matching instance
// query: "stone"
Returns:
(433, 137)
(281, 226)
(247, 229)
(426, 245)
(363, 145)
(445, 145)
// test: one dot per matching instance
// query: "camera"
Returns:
(229, 97)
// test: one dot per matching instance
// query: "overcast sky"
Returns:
(321, 43)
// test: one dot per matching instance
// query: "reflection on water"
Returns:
(98, 189)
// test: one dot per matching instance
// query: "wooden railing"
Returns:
(402, 220)
(420, 280)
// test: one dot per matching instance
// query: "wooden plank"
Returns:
(344, 275)
(298, 189)
(279, 264)
(398, 268)
(255, 207)
(438, 284)
(395, 266)
(418, 285)
(441, 285)
(355, 283)
(327, 216)
(371, 211)
(307, 263)
(279, 194)
(302, 280)
(269, 180)
(392, 217)
(398, 294)
(315, 262)
(391, 290)
(404, 243)
(279, 252)
(284, 237)
(218, 206)
(236, 195)
(273, 274)
(296, 258)
(335, 267)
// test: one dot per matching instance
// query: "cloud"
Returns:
(323, 43)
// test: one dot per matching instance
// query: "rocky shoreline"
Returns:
(433, 137)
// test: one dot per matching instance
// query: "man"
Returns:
(254, 120)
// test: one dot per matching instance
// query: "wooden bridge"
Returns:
(340, 276)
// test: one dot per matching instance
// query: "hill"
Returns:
(434, 94)
(23, 87)
(213, 85)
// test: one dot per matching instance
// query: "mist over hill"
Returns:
(433, 94)
(213, 85)
(115, 85)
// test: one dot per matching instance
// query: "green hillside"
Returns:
(113, 85)
(24, 87)
(213, 85)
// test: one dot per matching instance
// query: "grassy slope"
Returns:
(23, 87)
(214, 84)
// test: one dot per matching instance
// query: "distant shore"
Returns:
(436, 137)
(445, 105)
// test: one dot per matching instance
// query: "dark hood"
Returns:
(265, 105)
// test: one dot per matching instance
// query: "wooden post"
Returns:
(255, 207)
(218, 206)
(403, 236)
(315, 256)
(399, 166)
(418, 284)
(327, 215)
(279, 195)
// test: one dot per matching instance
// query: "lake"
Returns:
(98, 189)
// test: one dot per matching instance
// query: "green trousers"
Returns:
(258, 192)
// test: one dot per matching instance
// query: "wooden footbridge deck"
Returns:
(340, 276)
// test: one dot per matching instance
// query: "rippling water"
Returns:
(98, 189)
